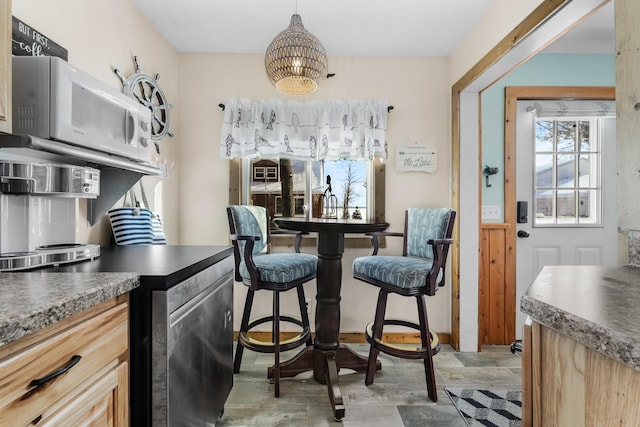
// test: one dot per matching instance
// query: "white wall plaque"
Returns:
(417, 158)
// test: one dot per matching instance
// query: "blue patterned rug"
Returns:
(499, 408)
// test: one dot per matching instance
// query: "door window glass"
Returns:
(568, 178)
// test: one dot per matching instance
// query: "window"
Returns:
(344, 197)
(258, 173)
(278, 208)
(298, 206)
(265, 173)
(307, 132)
(298, 203)
(309, 185)
(272, 173)
(349, 189)
(568, 178)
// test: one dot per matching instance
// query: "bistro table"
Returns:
(327, 355)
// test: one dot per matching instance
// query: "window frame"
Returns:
(271, 173)
(259, 173)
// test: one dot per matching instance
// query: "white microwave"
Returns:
(54, 100)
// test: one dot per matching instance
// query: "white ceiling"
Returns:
(345, 27)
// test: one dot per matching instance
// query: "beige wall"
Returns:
(416, 87)
(100, 36)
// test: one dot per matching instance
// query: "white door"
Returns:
(566, 173)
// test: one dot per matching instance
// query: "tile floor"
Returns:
(397, 398)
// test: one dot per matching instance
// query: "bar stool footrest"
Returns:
(398, 350)
(268, 346)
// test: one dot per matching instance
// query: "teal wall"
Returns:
(541, 70)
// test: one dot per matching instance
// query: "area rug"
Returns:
(499, 408)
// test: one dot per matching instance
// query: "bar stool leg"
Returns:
(276, 341)
(303, 312)
(378, 324)
(244, 327)
(426, 344)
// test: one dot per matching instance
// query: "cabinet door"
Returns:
(5, 66)
(527, 376)
(103, 404)
(99, 340)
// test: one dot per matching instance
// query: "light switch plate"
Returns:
(491, 212)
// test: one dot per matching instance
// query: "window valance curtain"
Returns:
(316, 130)
(573, 108)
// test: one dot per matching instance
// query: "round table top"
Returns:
(330, 225)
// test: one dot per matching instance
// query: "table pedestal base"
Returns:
(326, 365)
(327, 355)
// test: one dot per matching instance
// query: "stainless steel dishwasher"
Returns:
(181, 332)
(191, 348)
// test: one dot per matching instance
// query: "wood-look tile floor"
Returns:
(398, 396)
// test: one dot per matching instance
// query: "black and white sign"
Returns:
(25, 41)
(417, 158)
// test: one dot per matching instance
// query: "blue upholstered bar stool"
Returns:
(417, 273)
(259, 269)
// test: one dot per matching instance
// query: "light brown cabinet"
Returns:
(5, 66)
(574, 385)
(74, 372)
(527, 386)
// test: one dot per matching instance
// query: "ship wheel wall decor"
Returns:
(146, 90)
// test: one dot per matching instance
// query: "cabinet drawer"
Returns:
(97, 405)
(98, 341)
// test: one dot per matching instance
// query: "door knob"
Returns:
(523, 234)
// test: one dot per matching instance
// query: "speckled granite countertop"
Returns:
(594, 305)
(31, 301)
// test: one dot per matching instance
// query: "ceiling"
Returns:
(353, 27)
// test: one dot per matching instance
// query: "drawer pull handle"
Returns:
(41, 381)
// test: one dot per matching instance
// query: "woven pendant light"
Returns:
(295, 60)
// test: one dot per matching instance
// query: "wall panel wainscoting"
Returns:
(497, 288)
